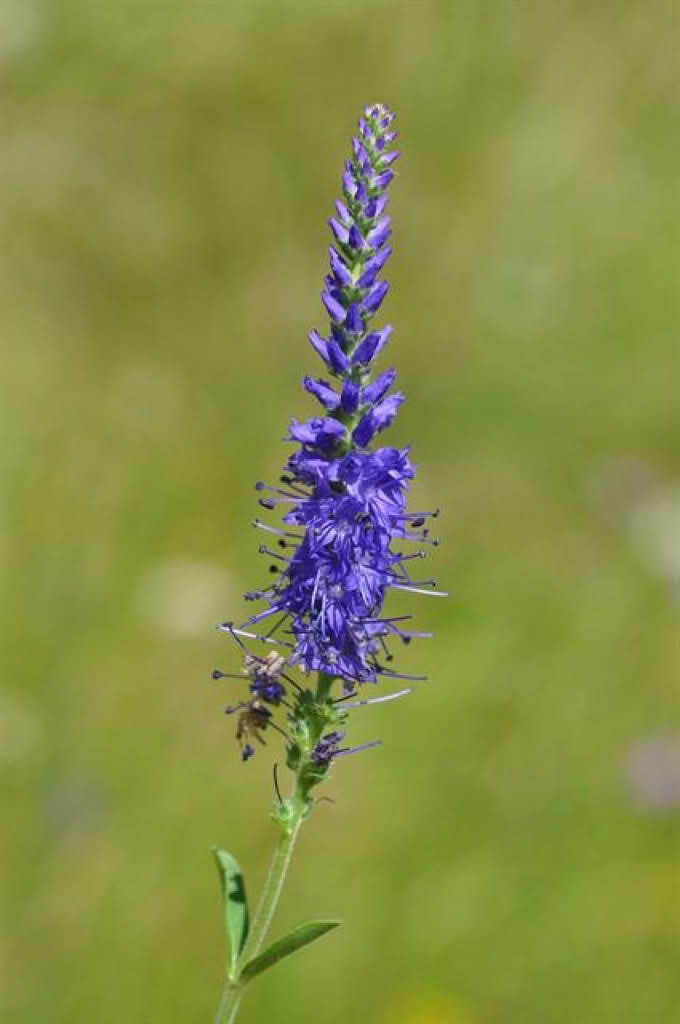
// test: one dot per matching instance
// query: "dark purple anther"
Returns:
(268, 690)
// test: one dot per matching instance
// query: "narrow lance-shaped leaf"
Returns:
(236, 923)
(298, 938)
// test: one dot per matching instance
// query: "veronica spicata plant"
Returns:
(344, 539)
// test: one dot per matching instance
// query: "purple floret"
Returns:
(327, 747)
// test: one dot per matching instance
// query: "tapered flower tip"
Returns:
(379, 112)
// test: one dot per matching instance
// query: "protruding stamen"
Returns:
(228, 627)
(260, 486)
(419, 590)
(358, 750)
(219, 674)
(273, 529)
(376, 700)
(400, 675)
(264, 550)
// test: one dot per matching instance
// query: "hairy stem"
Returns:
(273, 886)
(323, 688)
(229, 1004)
(269, 900)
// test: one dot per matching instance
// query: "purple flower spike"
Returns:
(339, 549)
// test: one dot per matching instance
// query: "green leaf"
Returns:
(236, 923)
(298, 938)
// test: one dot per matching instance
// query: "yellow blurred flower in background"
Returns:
(429, 1008)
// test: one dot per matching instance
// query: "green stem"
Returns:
(229, 1004)
(269, 900)
(323, 688)
(273, 886)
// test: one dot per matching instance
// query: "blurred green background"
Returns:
(512, 852)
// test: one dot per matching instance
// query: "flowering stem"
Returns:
(344, 509)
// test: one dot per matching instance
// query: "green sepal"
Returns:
(295, 940)
(236, 921)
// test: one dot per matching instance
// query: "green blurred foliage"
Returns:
(166, 172)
